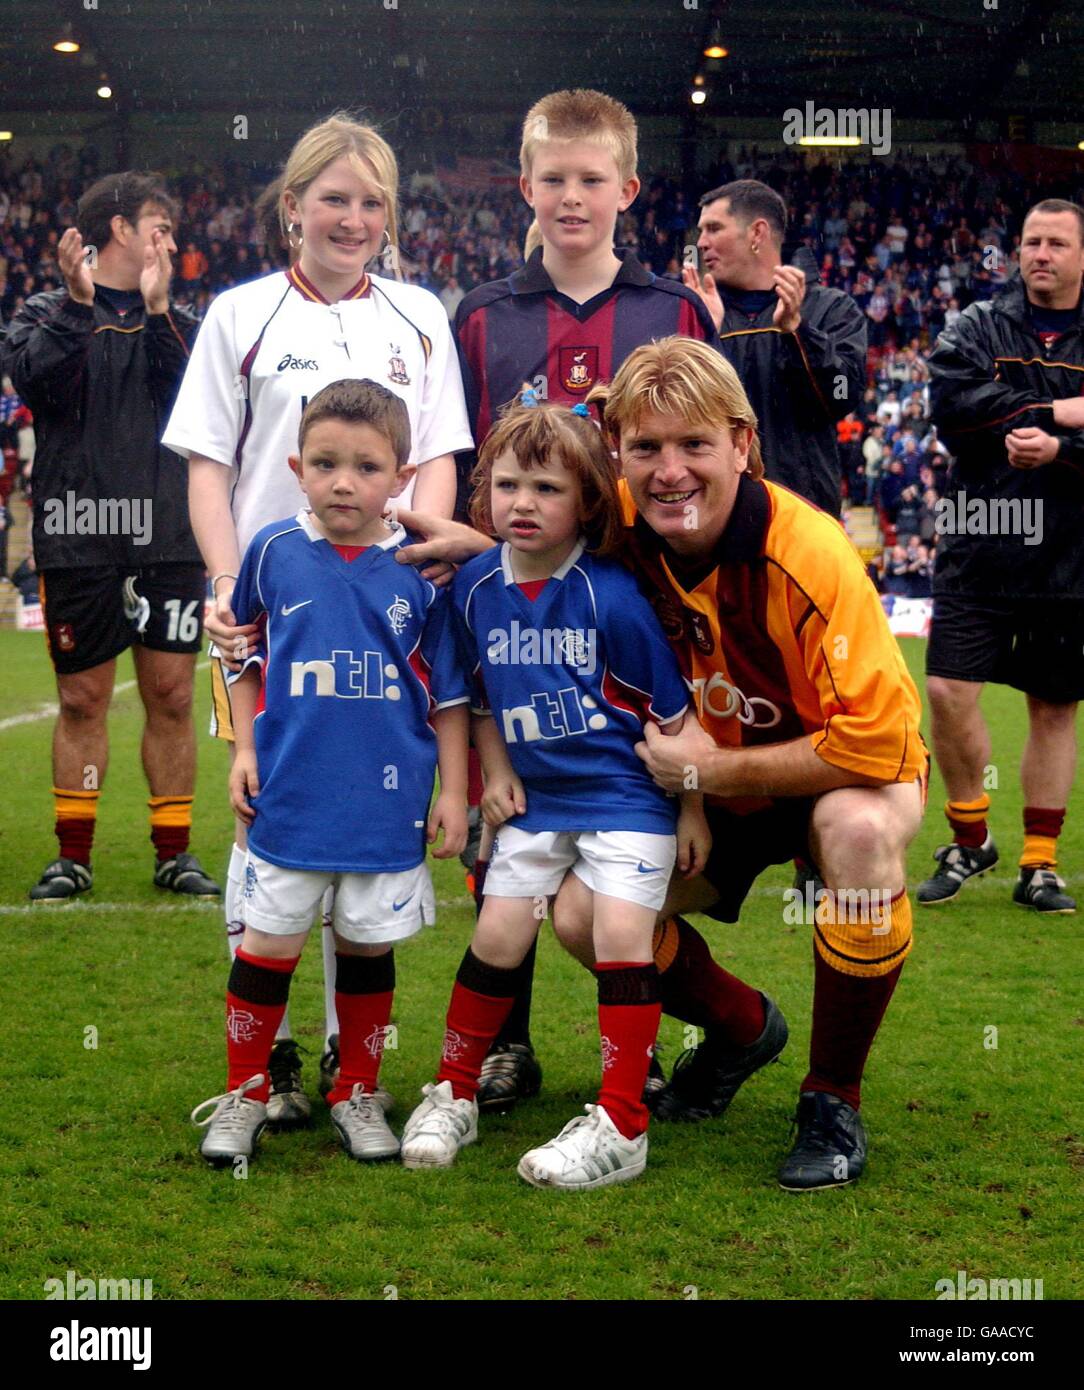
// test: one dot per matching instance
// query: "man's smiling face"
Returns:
(684, 479)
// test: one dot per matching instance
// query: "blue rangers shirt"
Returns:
(356, 656)
(571, 678)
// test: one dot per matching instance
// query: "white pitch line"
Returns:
(50, 711)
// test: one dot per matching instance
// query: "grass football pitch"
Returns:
(111, 1029)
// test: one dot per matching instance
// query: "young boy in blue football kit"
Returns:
(568, 663)
(342, 712)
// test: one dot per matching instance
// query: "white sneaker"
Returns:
(589, 1152)
(438, 1128)
(234, 1126)
(363, 1128)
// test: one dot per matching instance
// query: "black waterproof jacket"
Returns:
(101, 386)
(1007, 532)
(801, 383)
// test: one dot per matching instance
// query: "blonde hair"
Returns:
(370, 157)
(581, 114)
(677, 376)
(532, 241)
(551, 433)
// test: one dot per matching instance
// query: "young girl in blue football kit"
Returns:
(567, 663)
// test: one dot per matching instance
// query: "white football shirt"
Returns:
(265, 348)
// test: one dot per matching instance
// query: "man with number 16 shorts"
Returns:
(98, 362)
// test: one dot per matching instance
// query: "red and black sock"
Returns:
(76, 816)
(628, 1023)
(968, 821)
(364, 990)
(480, 1001)
(1042, 826)
(847, 1011)
(517, 1026)
(171, 825)
(696, 990)
(255, 1003)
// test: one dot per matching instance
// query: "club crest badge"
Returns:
(241, 1025)
(454, 1046)
(701, 632)
(670, 618)
(379, 1038)
(397, 371)
(398, 613)
(64, 637)
(578, 368)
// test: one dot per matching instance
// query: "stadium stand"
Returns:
(914, 241)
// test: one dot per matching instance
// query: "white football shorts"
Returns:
(627, 864)
(367, 908)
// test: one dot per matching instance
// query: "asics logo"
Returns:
(290, 362)
(398, 907)
(294, 607)
(640, 869)
(757, 712)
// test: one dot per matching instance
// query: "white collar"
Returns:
(510, 578)
(304, 520)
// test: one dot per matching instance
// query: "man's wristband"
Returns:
(223, 575)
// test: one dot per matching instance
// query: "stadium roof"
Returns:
(955, 60)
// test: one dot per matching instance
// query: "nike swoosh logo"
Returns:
(641, 870)
(294, 606)
(395, 907)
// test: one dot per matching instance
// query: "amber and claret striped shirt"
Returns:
(780, 633)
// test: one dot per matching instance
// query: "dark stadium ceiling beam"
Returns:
(948, 62)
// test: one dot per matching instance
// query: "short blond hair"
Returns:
(532, 241)
(677, 376)
(370, 156)
(581, 114)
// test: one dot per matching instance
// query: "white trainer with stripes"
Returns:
(438, 1128)
(589, 1152)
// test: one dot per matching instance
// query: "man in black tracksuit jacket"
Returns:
(99, 363)
(1005, 393)
(799, 349)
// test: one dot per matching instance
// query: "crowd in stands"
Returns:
(914, 241)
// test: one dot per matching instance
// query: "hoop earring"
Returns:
(295, 226)
(387, 243)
